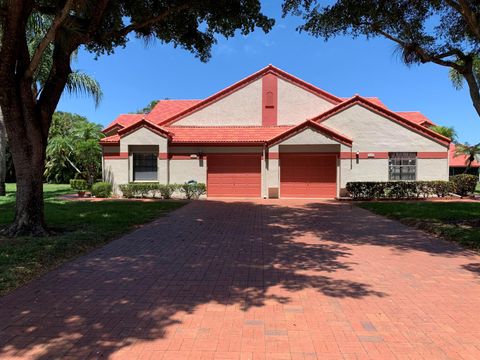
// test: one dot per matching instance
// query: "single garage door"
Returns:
(234, 175)
(308, 176)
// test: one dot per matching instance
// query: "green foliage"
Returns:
(471, 152)
(102, 190)
(167, 190)
(447, 131)
(148, 108)
(141, 190)
(193, 190)
(73, 148)
(465, 184)
(80, 226)
(439, 32)
(79, 184)
(399, 189)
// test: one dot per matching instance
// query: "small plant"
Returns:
(464, 184)
(80, 185)
(102, 190)
(166, 191)
(193, 190)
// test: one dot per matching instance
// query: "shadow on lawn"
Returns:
(153, 281)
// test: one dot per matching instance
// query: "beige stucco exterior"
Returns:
(295, 104)
(242, 107)
(372, 132)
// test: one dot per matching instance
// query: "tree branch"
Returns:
(48, 39)
(468, 15)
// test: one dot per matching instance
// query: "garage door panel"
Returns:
(308, 176)
(234, 175)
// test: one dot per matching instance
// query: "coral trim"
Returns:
(116, 156)
(432, 155)
(144, 123)
(364, 155)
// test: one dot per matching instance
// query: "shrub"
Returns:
(464, 183)
(193, 190)
(140, 190)
(166, 191)
(79, 184)
(398, 189)
(102, 189)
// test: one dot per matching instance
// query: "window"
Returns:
(144, 167)
(402, 166)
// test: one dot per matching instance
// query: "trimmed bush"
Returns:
(102, 190)
(193, 190)
(79, 184)
(398, 189)
(141, 190)
(166, 191)
(464, 184)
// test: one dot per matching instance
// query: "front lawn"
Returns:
(456, 221)
(81, 226)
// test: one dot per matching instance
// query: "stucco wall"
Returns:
(365, 170)
(243, 107)
(372, 132)
(307, 136)
(432, 169)
(144, 136)
(295, 105)
(115, 172)
(182, 171)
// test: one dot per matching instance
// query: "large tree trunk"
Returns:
(3, 155)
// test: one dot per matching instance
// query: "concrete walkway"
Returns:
(254, 280)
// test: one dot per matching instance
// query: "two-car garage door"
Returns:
(301, 175)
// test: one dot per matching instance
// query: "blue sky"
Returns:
(134, 76)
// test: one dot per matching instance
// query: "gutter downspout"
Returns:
(264, 172)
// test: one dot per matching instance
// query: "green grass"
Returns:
(455, 221)
(81, 226)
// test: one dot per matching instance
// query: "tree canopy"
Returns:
(447, 131)
(446, 33)
(73, 149)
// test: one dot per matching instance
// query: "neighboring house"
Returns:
(458, 164)
(273, 135)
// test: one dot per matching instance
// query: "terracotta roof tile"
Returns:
(165, 109)
(415, 116)
(459, 160)
(232, 134)
(110, 139)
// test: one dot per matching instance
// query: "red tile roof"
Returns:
(165, 109)
(124, 120)
(415, 116)
(231, 134)
(459, 160)
(114, 139)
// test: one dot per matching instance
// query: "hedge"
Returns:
(102, 190)
(464, 183)
(156, 190)
(399, 189)
(79, 184)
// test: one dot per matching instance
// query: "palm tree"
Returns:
(77, 83)
(447, 131)
(471, 152)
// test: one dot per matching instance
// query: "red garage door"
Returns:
(234, 175)
(308, 176)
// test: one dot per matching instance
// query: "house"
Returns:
(458, 163)
(273, 135)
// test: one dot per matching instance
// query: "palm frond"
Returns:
(80, 83)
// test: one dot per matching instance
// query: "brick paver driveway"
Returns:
(246, 280)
